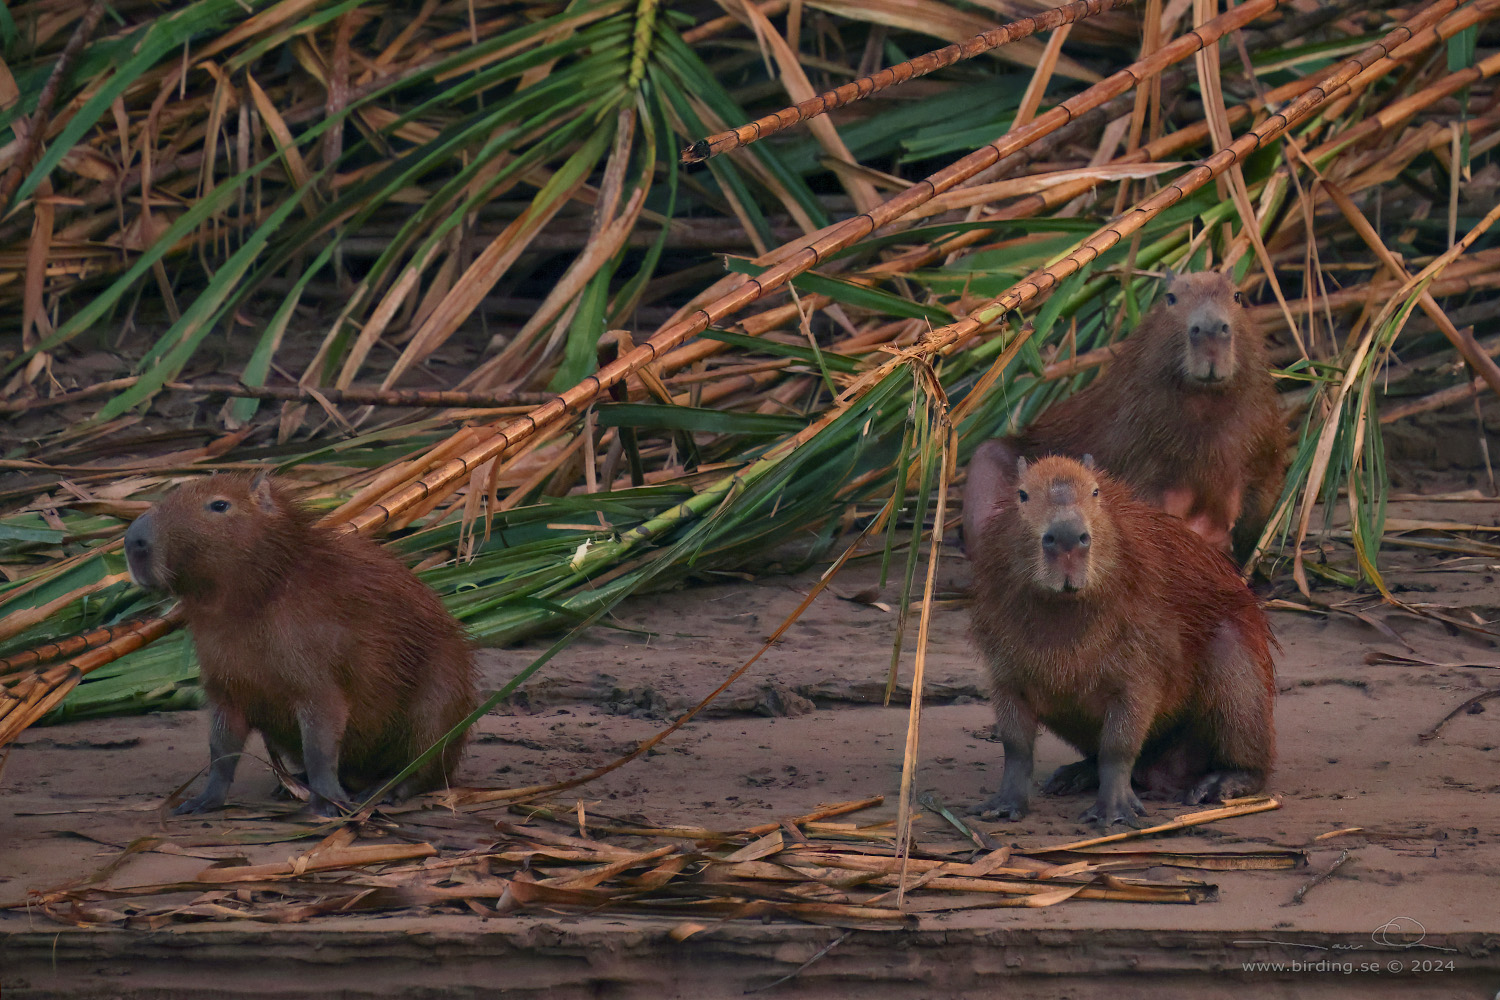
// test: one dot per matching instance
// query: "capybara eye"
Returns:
(1171, 299)
(1239, 299)
(218, 506)
(1096, 491)
(1022, 495)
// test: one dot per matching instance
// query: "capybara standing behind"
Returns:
(1122, 631)
(323, 642)
(1186, 414)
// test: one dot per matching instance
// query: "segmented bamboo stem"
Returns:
(891, 76)
(71, 645)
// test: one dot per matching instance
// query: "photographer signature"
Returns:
(1397, 932)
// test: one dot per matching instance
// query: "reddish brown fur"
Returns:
(297, 626)
(1161, 657)
(1212, 452)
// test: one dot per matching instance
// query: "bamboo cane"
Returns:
(891, 76)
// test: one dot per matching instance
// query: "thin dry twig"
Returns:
(37, 127)
(1302, 891)
(1468, 706)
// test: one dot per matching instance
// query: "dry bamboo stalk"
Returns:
(367, 395)
(63, 677)
(71, 645)
(1401, 111)
(1374, 291)
(703, 833)
(1236, 807)
(719, 25)
(928, 62)
(319, 861)
(1433, 401)
(947, 457)
(791, 869)
(98, 388)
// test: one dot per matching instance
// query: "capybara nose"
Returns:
(138, 536)
(1065, 537)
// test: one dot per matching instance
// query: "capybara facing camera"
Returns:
(1122, 631)
(1186, 414)
(323, 642)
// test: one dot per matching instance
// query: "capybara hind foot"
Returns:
(1115, 808)
(204, 802)
(1219, 786)
(1074, 779)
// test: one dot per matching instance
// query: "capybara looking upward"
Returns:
(323, 642)
(1186, 414)
(1119, 629)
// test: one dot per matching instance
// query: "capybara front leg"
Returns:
(1015, 724)
(1119, 746)
(227, 733)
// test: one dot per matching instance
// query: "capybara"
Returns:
(1122, 631)
(323, 642)
(1186, 414)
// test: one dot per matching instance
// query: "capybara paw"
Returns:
(410, 788)
(1075, 778)
(201, 803)
(1109, 810)
(329, 808)
(1000, 807)
(1218, 786)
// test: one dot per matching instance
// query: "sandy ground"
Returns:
(805, 727)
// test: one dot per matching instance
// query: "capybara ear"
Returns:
(990, 480)
(260, 491)
(1088, 462)
(1169, 276)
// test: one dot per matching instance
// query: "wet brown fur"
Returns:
(1212, 453)
(1162, 640)
(290, 617)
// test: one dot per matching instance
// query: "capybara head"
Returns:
(230, 529)
(1203, 312)
(1062, 523)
